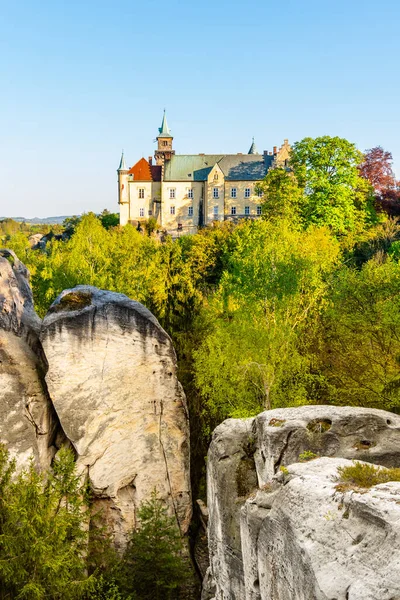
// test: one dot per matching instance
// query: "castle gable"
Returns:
(141, 171)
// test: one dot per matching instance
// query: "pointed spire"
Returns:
(122, 164)
(164, 129)
(253, 148)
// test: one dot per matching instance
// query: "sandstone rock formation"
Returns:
(252, 527)
(112, 379)
(28, 425)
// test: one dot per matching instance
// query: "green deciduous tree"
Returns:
(358, 345)
(282, 195)
(275, 280)
(335, 194)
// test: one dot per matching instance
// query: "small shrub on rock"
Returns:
(307, 455)
(365, 475)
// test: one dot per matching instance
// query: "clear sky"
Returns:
(80, 80)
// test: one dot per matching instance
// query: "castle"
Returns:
(186, 191)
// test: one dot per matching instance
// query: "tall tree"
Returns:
(377, 169)
(153, 565)
(358, 346)
(334, 192)
(43, 532)
(282, 195)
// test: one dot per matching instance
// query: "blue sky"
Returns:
(83, 79)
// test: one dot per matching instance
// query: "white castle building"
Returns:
(186, 191)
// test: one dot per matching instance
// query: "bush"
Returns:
(307, 455)
(365, 475)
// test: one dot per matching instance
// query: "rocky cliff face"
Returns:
(112, 379)
(276, 536)
(28, 424)
(99, 374)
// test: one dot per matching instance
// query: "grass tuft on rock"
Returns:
(364, 475)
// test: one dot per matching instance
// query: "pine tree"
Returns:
(154, 567)
(43, 531)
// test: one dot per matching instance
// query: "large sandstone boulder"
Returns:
(304, 540)
(28, 425)
(112, 379)
(245, 455)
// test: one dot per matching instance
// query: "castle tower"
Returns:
(164, 143)
(253, 148)
(123, 191)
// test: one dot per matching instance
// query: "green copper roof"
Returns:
(235, 167)
(190, 167)
(122, 164)
(253, 148)
(164, 129)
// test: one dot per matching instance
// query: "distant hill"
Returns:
(38, 221)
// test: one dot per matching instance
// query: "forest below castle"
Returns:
(298, 307)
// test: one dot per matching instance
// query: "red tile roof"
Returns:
(141, 171)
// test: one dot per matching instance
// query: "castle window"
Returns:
(165, 143)
(172, 193)
(150, 212)
(141, 193)
(215, 193)
(190, 193)
(247, 193)
(258, 210)
(247, 210)
(233, 193)
(233, 210)
(141, 212)
(172, 210)
(190, 211)
(215, 211)
(260, 193)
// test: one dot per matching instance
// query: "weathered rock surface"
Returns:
(308, 541)
(28, 425)
(245, 455)
(112, 380)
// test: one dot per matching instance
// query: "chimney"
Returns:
(150, 160)
(275, 150)
(265, 152)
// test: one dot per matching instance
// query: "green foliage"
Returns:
(107, 589)
(365, 475)
(273, 282)
(43, 534)
(108, 219)
(335, 194)
(282, 195)
(357, 346)
(307, 455)
(154, 567)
